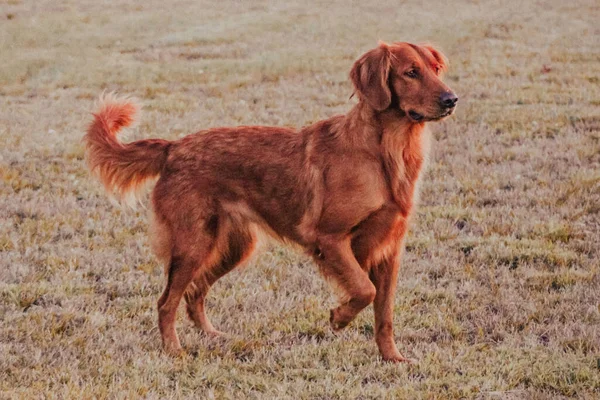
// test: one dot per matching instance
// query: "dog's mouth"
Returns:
(444, 114)
(415, 116)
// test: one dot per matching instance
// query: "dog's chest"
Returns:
(404, 158)
(354, 188)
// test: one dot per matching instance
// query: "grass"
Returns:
(499, 294)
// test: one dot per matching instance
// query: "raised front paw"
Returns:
(336, 320)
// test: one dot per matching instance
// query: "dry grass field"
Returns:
(499, 294)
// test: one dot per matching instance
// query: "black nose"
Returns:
(448, 99)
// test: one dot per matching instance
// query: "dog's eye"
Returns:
(412, 73)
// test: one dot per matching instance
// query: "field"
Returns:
(499, 294)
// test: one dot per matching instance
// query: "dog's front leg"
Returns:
(354, 288)
(385, 276)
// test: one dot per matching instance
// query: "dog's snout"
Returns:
(448, 99)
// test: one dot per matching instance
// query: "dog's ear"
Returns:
(439, 57)
(370, 77)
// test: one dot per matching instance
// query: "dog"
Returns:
(343, 189)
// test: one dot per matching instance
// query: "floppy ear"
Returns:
(439, 57)
(370, 77)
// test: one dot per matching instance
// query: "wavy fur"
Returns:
(123, 169)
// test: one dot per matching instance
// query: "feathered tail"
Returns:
(122, 168)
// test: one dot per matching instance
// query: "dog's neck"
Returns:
(404, 148)
(392, 120)
(401, 143)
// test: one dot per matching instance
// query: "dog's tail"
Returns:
(124, 169)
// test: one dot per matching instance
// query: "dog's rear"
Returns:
(122, 168)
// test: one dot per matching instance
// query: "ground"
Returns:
(499, 295)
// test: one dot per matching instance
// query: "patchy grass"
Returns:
(499, 295)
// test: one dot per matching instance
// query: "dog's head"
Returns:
(407, 77)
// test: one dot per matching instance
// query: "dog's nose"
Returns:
(448, 99)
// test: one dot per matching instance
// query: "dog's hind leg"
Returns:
(235, 244)
(180, 274)
(185, 261)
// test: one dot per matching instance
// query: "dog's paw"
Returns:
(175, 352)
(334, 321)
(399, 358)
(215, 333)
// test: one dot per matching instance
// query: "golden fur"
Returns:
(343, 189)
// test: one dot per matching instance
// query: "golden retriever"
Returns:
(342, 188)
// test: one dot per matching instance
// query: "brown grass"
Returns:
(499, 294)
